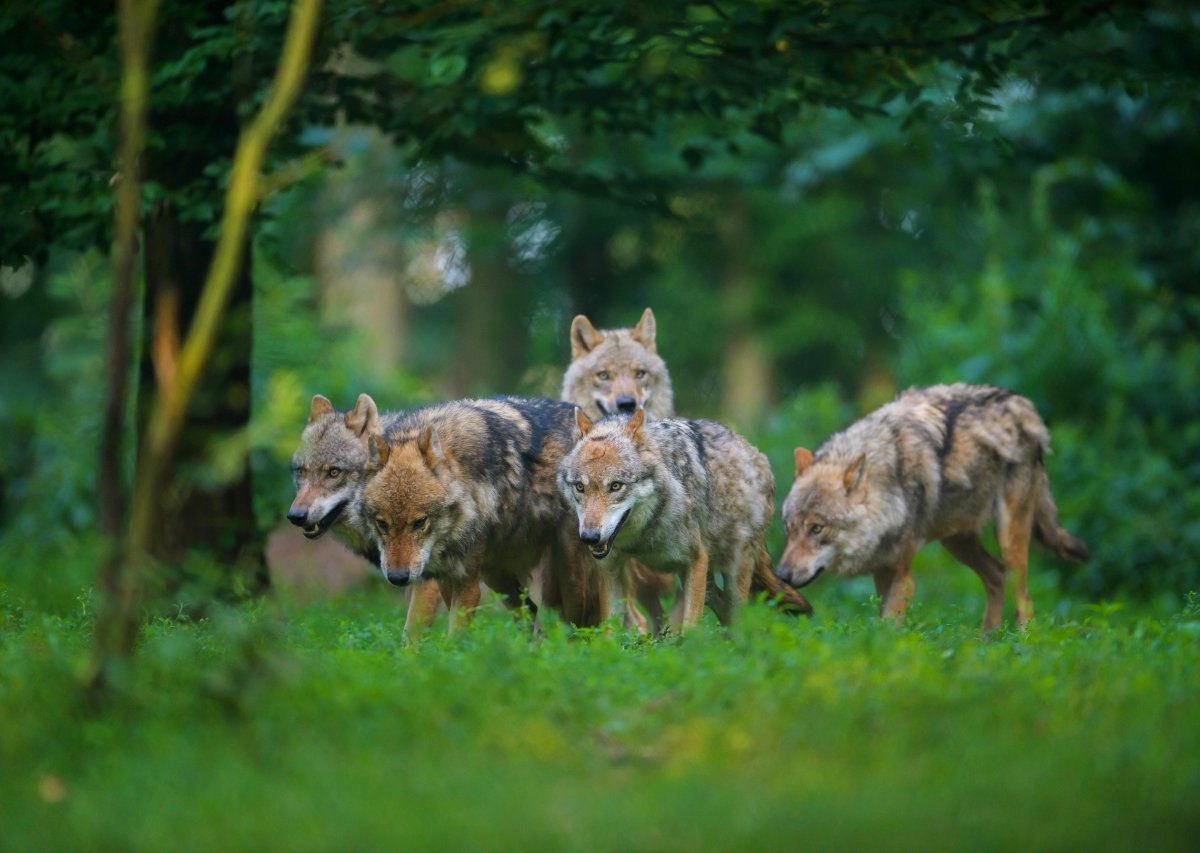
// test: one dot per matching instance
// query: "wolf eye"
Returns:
(639, 374)
(579, 488)
(815, 529)
(334, 473)
(604, 376)
(382, 525)
(420, 525)
(616, 486)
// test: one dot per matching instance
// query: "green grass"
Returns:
(312, 726)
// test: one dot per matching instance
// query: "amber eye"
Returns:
(815, 529)
(639, 374)
(334, 473)
(381, 524)
(579, 488)
(421, 524)
(604, 376)
(616, 486)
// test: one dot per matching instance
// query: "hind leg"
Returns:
(968, 550)
(1014, 527)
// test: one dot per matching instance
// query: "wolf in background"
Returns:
(687, 498)
(465, 490)
(618, 371)
(935, 464)
(329, 472)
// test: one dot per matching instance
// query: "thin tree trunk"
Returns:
(747, 363)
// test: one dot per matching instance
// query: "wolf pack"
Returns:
(606, 503)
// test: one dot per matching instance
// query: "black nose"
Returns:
(784, 573)
(626, 405)
(397, 578)
(589, 537)
(297, 517)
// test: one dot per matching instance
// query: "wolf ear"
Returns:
(584, 337)
(633, 427)
(430, 447)
(643, 332)
(363, 419)
(378, 451)
(583, 424)
(320, 406)
(804, 458)
(854, 473)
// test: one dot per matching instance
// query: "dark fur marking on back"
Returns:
(956, 408)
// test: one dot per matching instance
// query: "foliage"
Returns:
(283, 726)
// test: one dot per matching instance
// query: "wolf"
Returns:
(934, 464)
(465, 490)
(619, 371)
(687, 498)
(329, 472)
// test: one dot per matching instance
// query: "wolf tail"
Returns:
(1048, 531)
(764, 580)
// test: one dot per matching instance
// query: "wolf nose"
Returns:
(297, 517)
(397, 578)
(784, 573)
(626, 405)
(589, 537)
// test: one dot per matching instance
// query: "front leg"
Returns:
(690, 607)
(423, 598)
(900, 587)
(464, 594)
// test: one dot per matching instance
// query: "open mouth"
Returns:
(319, 528)
(815, 575)
(600, 550)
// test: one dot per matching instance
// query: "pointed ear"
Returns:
(320, 406)
(644, 331)
(363, 419)
(430, 447)
(633, 427)
(583, 424)
(854, 473)
(378, 452)
(584, 337)
(804, 458)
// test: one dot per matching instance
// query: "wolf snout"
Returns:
(396, 578)
(297, 517)
(626, 405)
(589, 537)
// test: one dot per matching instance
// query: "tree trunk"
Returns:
(746, 388)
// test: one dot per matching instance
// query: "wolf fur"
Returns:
(935, 464)
(329, 472)
(687, 498)
(620, 371)
(465, 490)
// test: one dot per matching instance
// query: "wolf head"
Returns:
(328, 467)
(825, 517)
(408, 503)
(617, 372)
(604, 477)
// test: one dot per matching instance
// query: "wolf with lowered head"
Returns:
(687, 498)
(329, 472)
(935, 464)
(465, 491)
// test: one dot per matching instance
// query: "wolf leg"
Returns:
(465, 595)
(1014, 527)
(899, 592)
(690, 607)
(968, 550)
(649, 588)
(423, 600)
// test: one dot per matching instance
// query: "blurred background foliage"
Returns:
(1009, 209)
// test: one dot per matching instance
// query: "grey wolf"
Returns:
(687, 498)
(329, 472)
(935, 464)
(619, 371)
(465, 491)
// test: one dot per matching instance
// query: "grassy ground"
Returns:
(311, 726)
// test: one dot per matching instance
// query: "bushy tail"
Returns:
(764, 580)
(1047, 530)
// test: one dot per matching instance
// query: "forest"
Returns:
(217, 210)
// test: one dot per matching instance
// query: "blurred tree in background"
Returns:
(822, 202)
